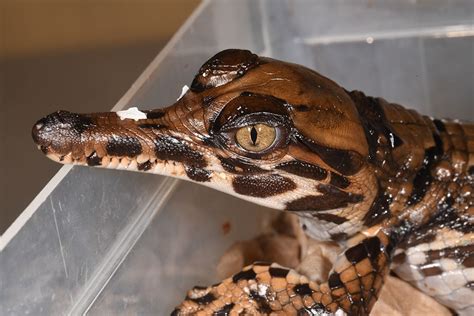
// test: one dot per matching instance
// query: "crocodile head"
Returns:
(275, 133)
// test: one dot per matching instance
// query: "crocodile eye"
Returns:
(256, 138)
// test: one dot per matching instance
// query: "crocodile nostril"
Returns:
(39, 125)
(40, 128)
(35, 131)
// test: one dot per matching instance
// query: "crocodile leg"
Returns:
(353, 286)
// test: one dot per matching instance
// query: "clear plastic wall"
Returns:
(113, 242)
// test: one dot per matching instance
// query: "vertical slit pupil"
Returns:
(253, 135)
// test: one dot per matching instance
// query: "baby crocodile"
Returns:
(392, 187)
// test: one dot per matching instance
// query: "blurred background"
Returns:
(73, 55)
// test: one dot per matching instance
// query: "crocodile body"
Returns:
(394, 188)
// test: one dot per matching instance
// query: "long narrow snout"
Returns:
(100, 139)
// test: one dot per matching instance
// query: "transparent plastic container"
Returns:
(108, 242)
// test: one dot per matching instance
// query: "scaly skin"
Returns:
(394, 188)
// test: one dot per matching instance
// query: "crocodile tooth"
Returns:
(125, 162)
(105, 161)
(114, 162)
(54, 157)
(132, 165)
(67, 158)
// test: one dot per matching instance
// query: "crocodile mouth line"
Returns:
(138, 164)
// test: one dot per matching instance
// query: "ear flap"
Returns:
(223, 68)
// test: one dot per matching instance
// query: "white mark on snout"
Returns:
(132, 113)
(184, 89)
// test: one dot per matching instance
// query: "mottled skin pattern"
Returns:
(393, 187)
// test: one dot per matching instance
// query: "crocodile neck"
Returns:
(421, 163)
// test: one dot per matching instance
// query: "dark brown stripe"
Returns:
(447, 216)
(373, 246)
(224, 311)
(236, 166)
(471, 170)
(204, 300)
(389, 248)
(262, 185)
(262, 302)
(463, 254)
(315, 203)
(330, 218)
(145, 166)
(374, 122)
(197, 174)
(344, 161)
(439, 125)
(155, 114)
(468, 261)
(303, 289)
(356, 253)
(418, 237)
(278, 272)
(303, 169)
(169, 148)
(379, 209)
(339, 237)
(332, 198)
(313, 310)
(94, 160)
(244, 275)
(80, 123)
(302, 108)
(303, 311)
(399, 258)
(339, 181)
(175, 312)
(423, 177)
(431, 271)
(334, 281)
(124, 146)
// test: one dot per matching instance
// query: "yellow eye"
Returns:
(256, 137)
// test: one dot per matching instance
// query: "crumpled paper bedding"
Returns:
(285, 243)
